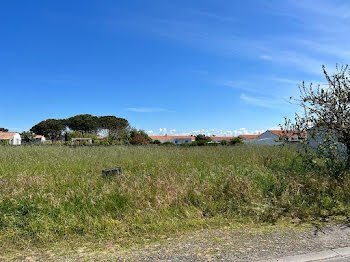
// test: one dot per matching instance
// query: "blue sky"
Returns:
(216, 67)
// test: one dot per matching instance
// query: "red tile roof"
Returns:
(287, 133)
(250, 136)
(7, 135)
(277, 132)
(38, 136)
(222, 137)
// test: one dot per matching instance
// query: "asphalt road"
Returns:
(339, 259)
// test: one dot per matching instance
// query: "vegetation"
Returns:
(2, 129)
(53, 193)
(83, 123)
(236, 141)
(139, 137)
(54, 129)
(50, 128)
(327, 108)
(202, 137)
(112, 126)
(27, 136)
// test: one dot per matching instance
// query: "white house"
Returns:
(276, 137)
(248, 137)
(178, 140)
(270, 137)
(13, 138)
(39, 139)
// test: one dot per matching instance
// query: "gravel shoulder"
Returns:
(226, 244)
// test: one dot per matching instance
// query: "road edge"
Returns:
(308, 257)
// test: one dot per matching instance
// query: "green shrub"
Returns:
(4, 142)
(224, 142)
(156, 142)
(236, 141)
(168, 143)
(199, 143)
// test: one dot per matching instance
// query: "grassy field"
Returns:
(52, 193)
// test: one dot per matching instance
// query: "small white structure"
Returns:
(39, 139)
(13, 138)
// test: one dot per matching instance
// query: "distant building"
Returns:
(282, 135)
(221, 138)
(277, 137)
(39, 139)
(178, 140)
(13, 138)
(248, 137)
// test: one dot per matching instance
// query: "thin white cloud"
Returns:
(147, 109)
(241, 85)
(200, 72)
(213, 16)
(15, 129)
(285, 80)
(263, 101)
(266, 57)
(313, 40)
(332, 8)
(162, 131)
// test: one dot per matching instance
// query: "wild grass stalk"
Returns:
(49, 193)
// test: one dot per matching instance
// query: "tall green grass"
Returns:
(52, 193)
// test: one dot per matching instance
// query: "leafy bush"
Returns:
(224, 142)
(199, 143)
(168, 143)
(236, 141)
(202, 137)
(4, 142)
(139, 139)
(76, 134)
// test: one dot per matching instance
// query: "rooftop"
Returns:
(250, 136)
(7, 135)
(288, 133)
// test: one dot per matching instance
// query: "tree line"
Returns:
(86, 125)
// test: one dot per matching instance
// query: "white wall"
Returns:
(177, 141)
(266, 138)
(16, 140)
